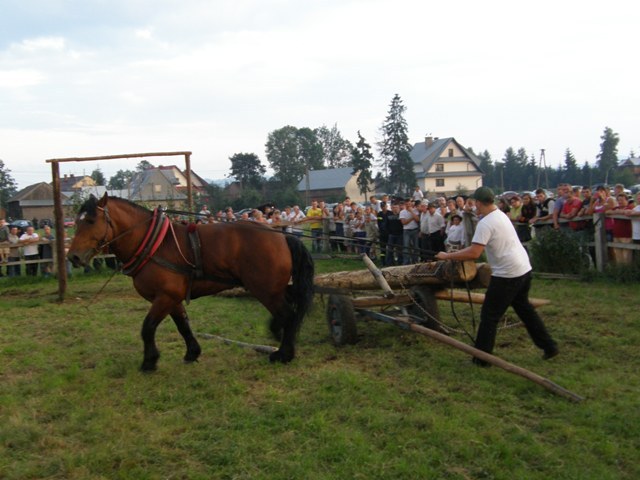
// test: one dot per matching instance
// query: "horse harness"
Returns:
(155, 235)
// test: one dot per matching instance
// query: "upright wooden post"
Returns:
(187, 161)
(59, 224)
(600, 239)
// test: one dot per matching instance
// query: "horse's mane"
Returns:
(90, 207)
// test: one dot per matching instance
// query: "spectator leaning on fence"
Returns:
(4, 238)
(544, 208)
(46, 252)
(634, 215)
(29, 240)
(621, 230)
(14, 253)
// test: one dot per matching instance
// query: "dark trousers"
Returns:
(430, 245)
(505, 292)
(32, 268)
(316, 240)
(394, 249)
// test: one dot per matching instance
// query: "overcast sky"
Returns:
(98, 77)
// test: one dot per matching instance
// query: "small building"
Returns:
(69, 183)
(34, 201)
(633, 165)
(444, 167)
(165, 186)
(333, 184)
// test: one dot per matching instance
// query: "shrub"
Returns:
(558, 251)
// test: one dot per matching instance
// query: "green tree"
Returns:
(120, 180)
(361, 163)
(98, 177)
(291, 152)
(608, 156)
(336, 151)
(510, 170)
(488, 169)
(144, 165)
(247, 169)
(395, 149)
(570, 171)
(8, 186)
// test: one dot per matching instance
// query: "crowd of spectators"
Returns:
(394, 231)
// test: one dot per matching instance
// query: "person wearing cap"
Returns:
(510, 279)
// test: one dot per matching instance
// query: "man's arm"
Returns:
(472, 252)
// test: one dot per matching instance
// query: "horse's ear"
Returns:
(103, 200)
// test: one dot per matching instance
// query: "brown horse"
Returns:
(173, 262)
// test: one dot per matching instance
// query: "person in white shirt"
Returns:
(455, 233)
(296, 217)
(510, 278)
(432, 227)
(417, 194)
(410, 229)
(29, 241)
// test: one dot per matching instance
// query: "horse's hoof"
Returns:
(280, 356)
(148, 367)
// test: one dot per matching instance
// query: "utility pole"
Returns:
(542, 164)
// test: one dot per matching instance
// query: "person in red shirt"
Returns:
(621, 231)
(571, 207)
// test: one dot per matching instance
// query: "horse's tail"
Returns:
(300, 292)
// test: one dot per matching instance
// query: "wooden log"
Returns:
(377, 274)
(483, 276)
(445, 295)
(487, 357)
(463, 296)
(431, 273)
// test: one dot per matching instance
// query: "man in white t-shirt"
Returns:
(510, 276)
(29, 241)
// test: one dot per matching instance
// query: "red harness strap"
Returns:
(153, 236)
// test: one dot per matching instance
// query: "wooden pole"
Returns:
(228, 341)
(59, 225)
(187, 161)
(487, 357)
(377, 274)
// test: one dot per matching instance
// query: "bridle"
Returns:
(99, 248)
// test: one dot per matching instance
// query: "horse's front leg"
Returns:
(158, 311)
(179, 316)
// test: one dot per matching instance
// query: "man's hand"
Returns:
(442, 255)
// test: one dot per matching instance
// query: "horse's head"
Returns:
(92, 228)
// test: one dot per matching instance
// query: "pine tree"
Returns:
(395, 148)
(608, 156)
(247, 169)
(361, 161)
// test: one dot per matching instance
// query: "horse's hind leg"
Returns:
(283, 322)
(179, 316)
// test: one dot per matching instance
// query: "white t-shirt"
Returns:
(407, 215)
(505, 253)
(635, 224)
(30, 249)
(296, 217)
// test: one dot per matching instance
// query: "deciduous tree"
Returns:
(336, 151)
(8, 186)
(291, 151)
(247, 169)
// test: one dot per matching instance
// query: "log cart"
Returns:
(416, 309)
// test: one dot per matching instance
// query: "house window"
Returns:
(451, 152)
(439, 182)
(157, 188)
(439, 167)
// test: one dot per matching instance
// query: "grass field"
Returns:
(73, 404)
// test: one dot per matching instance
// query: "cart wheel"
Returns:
(426, 302)
(342, 320)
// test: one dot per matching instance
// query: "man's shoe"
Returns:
(552, 352)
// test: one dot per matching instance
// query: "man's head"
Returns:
(29, 230)
(484, 196)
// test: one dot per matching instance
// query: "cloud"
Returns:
(21, 78)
